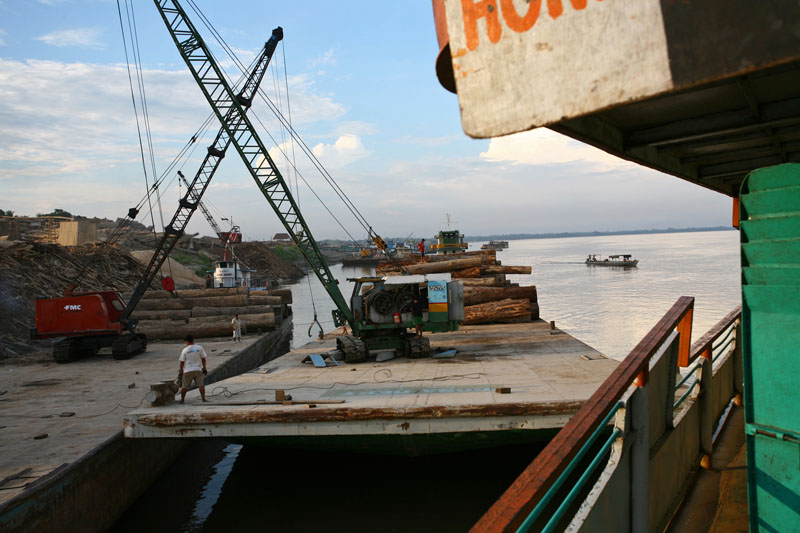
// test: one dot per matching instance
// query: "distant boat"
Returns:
(495, 245)
(622, 260)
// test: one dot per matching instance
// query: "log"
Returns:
(503, 269)
(189, 303)
(198, 331)
(488, 256)
(181, 314)
(472, 272)
(227, 311)
(494, 311)
(444, 266)
(158, 324)
(190, 293)
(285, 294)
(251, 321)
(266, 300)
(479, 295)
(481, 282)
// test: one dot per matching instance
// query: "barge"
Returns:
(485, 386)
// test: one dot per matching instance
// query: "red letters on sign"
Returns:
(473, 11)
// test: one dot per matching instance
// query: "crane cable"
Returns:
(232, 55)
(135, 108)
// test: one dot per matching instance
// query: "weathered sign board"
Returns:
(520, 64)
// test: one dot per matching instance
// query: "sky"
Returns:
(363, 96)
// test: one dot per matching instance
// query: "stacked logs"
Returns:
(205, 313)
(488, 295)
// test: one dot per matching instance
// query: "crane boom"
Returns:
(203, 209)
(195, 190)
(231, 114)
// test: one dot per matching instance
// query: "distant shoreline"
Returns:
(520, 236)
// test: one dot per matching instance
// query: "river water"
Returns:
(217, 486)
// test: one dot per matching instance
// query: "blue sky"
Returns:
(364, 96)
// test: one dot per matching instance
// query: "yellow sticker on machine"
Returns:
(437, 307)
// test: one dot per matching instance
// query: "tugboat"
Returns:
(449, 241)
(622, 260)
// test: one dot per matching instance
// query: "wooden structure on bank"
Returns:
(488, 296)
(205, 313)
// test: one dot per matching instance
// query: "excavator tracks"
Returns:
(355, 350)
(127, 345)
(63, 351)
(418, 347)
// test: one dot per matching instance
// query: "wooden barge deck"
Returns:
(400, 406)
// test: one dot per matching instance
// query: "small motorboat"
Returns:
(621, 260)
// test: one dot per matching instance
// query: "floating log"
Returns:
(472, 272)
(266, 300)
(180, 314)
(479, 295)
(494, 311)
(482, 282)
(189, 303)
(228, 311)
(444, 266)
(503, 269)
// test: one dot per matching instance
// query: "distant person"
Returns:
(236, 326)
(193, 367)
(421, 247)
(416, 307)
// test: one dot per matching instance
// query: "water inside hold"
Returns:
(217, 487)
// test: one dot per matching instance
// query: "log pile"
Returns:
(205, 313)
(488, 295)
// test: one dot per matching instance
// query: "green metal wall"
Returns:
(770, 248)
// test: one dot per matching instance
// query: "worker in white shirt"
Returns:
(236, 326)
(193, 367)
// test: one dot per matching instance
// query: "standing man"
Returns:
(416, 307)
(193, 367)
(421, 247)
(236, 326)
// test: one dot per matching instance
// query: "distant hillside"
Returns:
(518, 236)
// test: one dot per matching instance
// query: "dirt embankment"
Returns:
(31, 270)
(260, 257)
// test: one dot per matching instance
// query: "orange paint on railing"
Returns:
(735, 222)
(684, 329)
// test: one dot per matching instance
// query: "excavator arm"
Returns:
(231, 113)
(197, 187)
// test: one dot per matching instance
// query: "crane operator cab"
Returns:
(383, 316)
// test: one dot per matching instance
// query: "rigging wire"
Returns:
(133, 99)
(289, 114)
(339, 192)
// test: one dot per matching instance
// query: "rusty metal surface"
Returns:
(269, 414)
(511, 509)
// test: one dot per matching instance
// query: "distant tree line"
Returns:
(53, 213)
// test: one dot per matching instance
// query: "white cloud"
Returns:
(83, 37)
(347, 149)
(546, 147)
(325, 59)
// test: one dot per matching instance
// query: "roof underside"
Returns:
(711, 135)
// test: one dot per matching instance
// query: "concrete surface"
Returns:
(52, 414)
